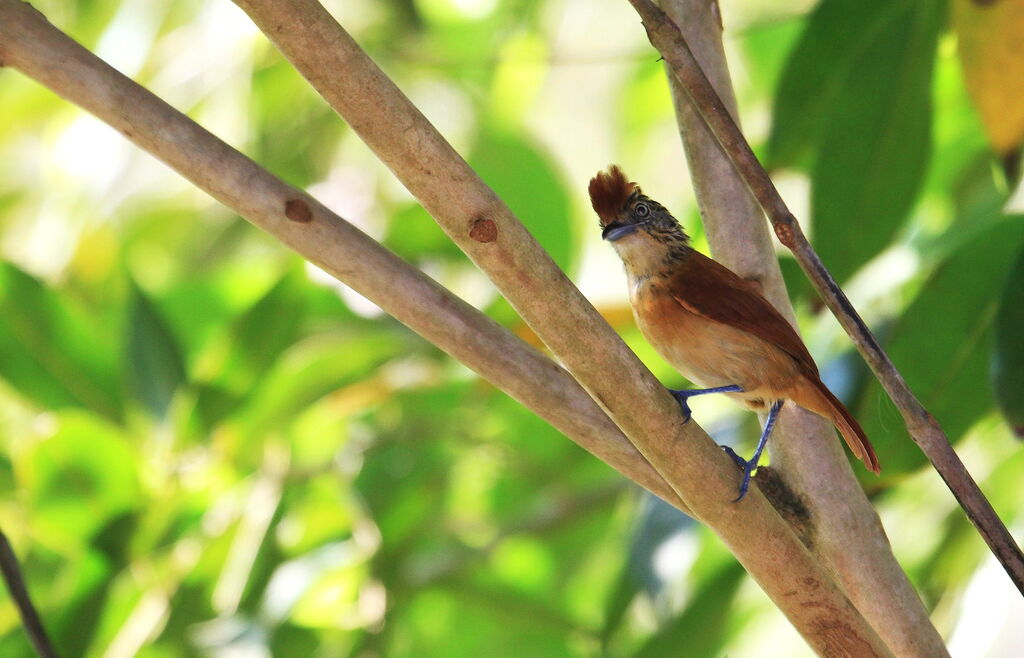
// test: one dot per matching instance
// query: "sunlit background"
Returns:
(211, 448)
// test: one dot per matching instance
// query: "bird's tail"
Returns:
(819, 399)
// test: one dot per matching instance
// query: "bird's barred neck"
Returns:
(653, 254)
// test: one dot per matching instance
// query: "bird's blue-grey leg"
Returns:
(685, 394)
(750, 466)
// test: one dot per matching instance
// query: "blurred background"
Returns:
(210, 448)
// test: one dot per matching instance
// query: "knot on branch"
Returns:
(783, 226)
(482, 229)
(298, 210)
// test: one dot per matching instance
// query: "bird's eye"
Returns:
(641, 209)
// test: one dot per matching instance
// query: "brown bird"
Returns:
(712, 326)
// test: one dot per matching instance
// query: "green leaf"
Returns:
(700, 629)
(1008, 356)
(414, 235)
(840, 36)
(657, 522)
(198, 308)
(404, 478)
(289, 639)
(876, 143)
(254, 341)
(294, 136)
(856, 98)
(260, 335)
(50, 352)
(941, 345)
(769, 48)
(310, 370)
(155, 367)
(87, 594)
(526, 179)
(77, 479)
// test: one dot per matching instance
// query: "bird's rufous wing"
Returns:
(707, 288)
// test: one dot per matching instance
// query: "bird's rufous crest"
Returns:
(609, 192)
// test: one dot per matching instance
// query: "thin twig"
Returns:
(843, 526)
(19, 593)
(468, 210)
(666, 37)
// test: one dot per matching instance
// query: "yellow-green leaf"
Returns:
(991, 36)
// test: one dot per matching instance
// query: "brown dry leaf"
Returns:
(991, 36)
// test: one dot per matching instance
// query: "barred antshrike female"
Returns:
(710, 324)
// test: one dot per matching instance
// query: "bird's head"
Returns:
(642, 230)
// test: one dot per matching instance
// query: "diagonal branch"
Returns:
(496, 241)
(32, 45)
(34, 628)
(843, 526)
(756, 534)
(922, 426)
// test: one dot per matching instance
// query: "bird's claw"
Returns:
(741, 462)
(682, 397)
(748, 471)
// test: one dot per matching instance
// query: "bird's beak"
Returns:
(613, 232)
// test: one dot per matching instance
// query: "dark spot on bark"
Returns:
(483, 230)
(298, 210)
(787, 504)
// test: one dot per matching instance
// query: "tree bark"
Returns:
(466, 208)
(842, 526)
(30, 44)
(924, 429)
(683, 455)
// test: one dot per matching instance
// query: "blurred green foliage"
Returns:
(210, 447)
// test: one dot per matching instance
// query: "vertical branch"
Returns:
(844, 530)
(922, 426)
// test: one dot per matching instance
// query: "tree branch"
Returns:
(843, 528)
(34, 628)
(756, 534)
(31, 45)
(467, 210)
(922, 426)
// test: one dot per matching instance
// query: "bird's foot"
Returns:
(741, 462)
(748, 471)
(750, 466)
(683, 395)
